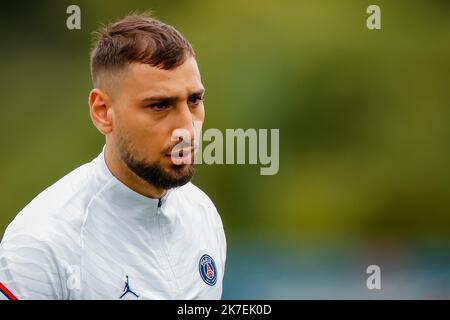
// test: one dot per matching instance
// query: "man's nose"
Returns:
(184, 126)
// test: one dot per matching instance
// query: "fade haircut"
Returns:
(138, 37)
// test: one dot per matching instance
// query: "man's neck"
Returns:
(120, 170)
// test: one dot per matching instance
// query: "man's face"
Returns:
(150, 104)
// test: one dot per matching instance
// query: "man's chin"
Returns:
(182, 171)
(180, 174)
(164, 175)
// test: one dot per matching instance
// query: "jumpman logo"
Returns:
(127, 289)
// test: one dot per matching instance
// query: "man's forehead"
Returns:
(146, 78)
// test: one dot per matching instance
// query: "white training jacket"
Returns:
(89, 236)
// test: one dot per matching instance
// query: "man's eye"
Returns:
(195, 100)
(159, 106)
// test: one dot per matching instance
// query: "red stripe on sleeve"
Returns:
(6, 292)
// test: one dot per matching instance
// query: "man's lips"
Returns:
(182, 156)
(180, 152)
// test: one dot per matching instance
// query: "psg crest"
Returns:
(208, 270)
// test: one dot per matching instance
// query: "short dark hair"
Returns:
(138, 37)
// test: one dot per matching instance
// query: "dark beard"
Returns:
(155, 174)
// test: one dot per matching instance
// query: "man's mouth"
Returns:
(182, 156)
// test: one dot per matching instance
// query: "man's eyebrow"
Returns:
(172, 98)
(198, 92)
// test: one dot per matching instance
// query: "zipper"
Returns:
(165, 249)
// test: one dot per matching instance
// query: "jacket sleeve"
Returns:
(28, 269)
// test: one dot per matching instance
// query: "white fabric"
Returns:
(81, 237)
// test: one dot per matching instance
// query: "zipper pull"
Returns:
(159, 203)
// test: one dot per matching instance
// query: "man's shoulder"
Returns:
(203, 212)
(195, 194)
(199, 203)
(57, 211)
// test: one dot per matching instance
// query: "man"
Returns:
(129, 224)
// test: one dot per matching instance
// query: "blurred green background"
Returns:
(364, 132)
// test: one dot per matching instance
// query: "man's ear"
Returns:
(100, 110)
